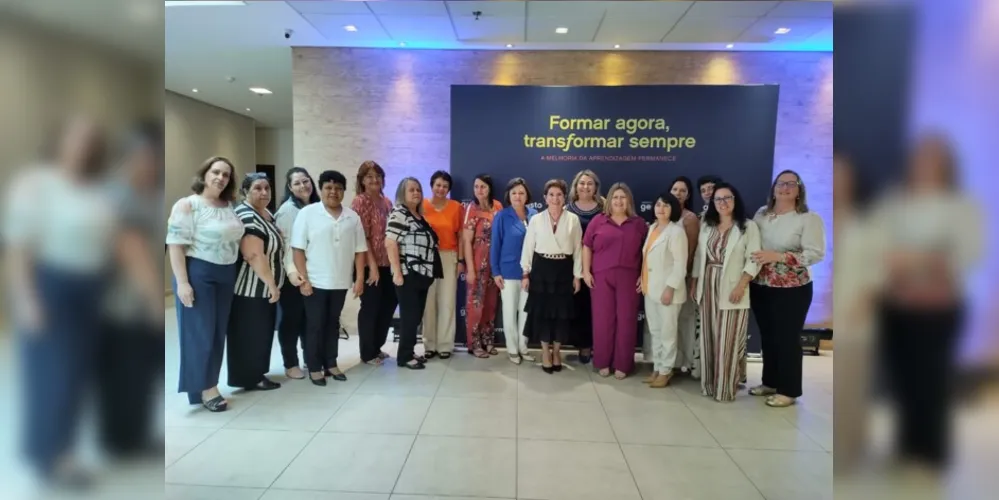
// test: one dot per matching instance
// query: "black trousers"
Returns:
(130, 363)
(780, 314)
(291, 328)
(322, 328)
(913, 342)
(412, 300)
(249, 340)
(378, 304)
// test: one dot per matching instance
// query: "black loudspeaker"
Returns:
(810, 338)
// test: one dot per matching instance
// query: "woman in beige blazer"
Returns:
(664, 269)
(721, 275)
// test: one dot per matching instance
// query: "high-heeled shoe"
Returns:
(321, 381)
(557, 366)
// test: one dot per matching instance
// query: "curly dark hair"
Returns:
(713, 218)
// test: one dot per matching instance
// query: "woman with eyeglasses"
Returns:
(299, 191)
(723, 269)
(259, 279)
(793, 239)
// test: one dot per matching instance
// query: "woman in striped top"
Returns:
(258, 289)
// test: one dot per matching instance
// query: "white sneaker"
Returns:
(514, 359)
(528, 357)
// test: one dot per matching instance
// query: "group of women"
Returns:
(573, 274)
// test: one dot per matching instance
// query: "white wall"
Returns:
(275, 147)
(194, 132)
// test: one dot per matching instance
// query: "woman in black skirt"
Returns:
(552, 264)
(258, 289)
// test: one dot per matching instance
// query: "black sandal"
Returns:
(431, 355)
(216, 404)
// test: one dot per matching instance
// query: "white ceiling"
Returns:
(207, 44)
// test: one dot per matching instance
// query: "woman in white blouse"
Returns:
(553, 265)
(203, 235)
(299, 191)
(793, 238)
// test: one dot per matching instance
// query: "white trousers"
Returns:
(514, 318)
(662, 321)
(439, 314)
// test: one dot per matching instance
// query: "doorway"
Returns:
(268, 170)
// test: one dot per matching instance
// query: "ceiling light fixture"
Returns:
(402, 44)
(350, 27)
(617, 46)
(561, 30)
(260, 90)
(247, 109)
(509, 45)
(208, 3)
(194, 90)
(782, 31)
(729, 46)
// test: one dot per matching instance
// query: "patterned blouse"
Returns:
(417, 243)
(802, 239)
(211, 234)
(248, 283)
(374, 217)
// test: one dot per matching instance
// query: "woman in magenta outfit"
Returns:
(612, 266)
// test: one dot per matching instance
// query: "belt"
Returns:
(554, 256)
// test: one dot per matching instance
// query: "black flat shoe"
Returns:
(264, 385)
(216, 404)
(321, 382)
(337, 376)
(445, 355)
(431, 355)
(413, 366)
(557, 368)
(548, 369)
(585, 359)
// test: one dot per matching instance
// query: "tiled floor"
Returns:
(476, 429)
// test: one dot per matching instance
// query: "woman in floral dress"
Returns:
(483, 294)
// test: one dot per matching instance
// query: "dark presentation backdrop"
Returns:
(644, 136)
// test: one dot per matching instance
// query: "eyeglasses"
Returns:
(787, 184)
(725, 199)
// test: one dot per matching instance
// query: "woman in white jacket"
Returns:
(722, 271)
(664, 269)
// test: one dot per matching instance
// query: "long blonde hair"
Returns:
(629, 209)
(574, 196)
